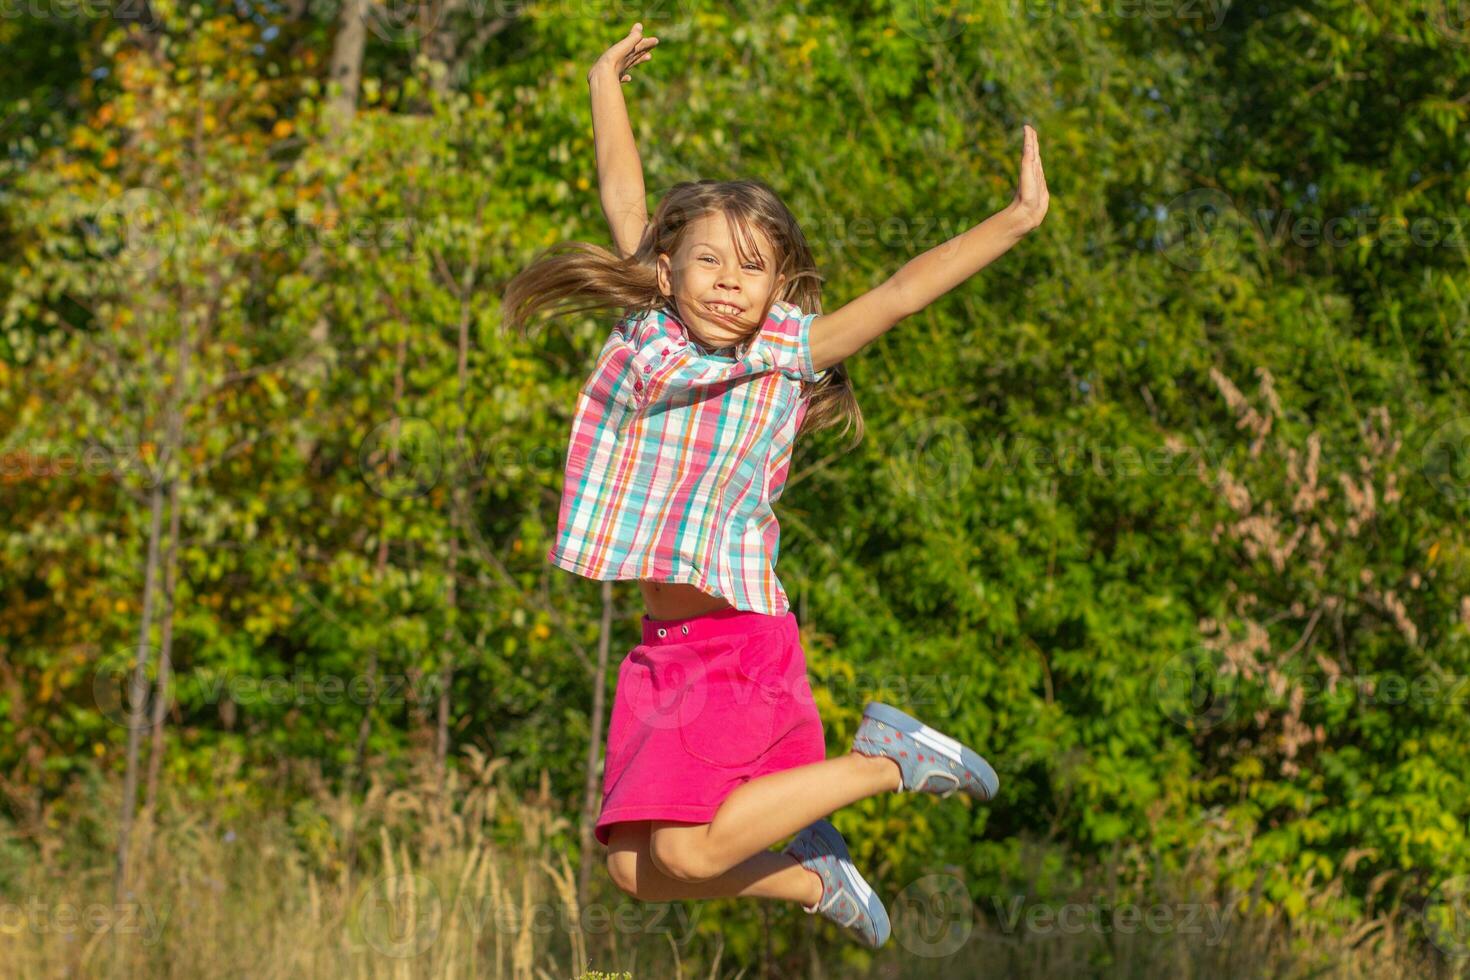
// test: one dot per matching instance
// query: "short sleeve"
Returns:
(787, 335)
(605, 385)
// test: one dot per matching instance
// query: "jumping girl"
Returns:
(680, 444)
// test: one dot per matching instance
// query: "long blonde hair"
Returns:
(603, 280)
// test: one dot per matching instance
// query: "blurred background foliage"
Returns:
(1165, 511)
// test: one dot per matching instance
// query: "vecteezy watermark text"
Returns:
(1204, 919)
(44, 916)
(403, 915)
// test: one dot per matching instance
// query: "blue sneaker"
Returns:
(846, 899)
(931, 762)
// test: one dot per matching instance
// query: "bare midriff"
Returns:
(678, 600)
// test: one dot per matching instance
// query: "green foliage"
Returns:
(1165, 511)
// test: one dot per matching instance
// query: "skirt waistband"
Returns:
(720, 622)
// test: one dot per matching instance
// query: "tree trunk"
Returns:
(346, 66)
(365, 726)
(440, 46)
(446, 668)
(346, 69)
(179, 388)
(457, 478)
(591, 792)
(165, 650)
(137, 693)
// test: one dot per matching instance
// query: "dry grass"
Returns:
(413, 884)
(438, 891)
(1115, 923)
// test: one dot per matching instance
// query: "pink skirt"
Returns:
(702, 705)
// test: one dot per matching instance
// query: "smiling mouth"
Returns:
(724, 309)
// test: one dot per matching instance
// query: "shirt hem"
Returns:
(685, 577)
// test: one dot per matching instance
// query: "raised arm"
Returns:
(924, 279)
(619, 170)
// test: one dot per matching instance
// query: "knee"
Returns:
(679, 861)
(622, 867)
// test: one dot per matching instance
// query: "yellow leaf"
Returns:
(120, 605)
(281, 129)
(1296, 903)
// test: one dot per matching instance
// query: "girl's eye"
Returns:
(748, 265)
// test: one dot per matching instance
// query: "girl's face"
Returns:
(716, 294)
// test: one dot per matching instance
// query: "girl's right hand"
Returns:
(617, 60)
(1032, 198)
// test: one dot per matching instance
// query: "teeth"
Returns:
(723, 308)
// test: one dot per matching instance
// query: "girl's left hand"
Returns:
(618, 60)
(1031, 199)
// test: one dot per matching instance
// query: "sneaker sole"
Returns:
(940, 743)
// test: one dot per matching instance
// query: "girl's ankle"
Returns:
(890, 767)
(815, 903)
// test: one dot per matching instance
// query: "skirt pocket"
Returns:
(729, 707)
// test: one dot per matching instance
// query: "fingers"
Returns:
(1031, 156)
(1032, 183)
(629, 50)
(637, 41)
(633, 60)
(634, 49)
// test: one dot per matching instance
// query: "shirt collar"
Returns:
(678, 328)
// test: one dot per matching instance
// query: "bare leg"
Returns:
(768, 874)
(771, 808)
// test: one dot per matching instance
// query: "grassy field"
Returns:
(470, 882)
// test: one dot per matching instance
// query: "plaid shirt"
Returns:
(676, 457)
